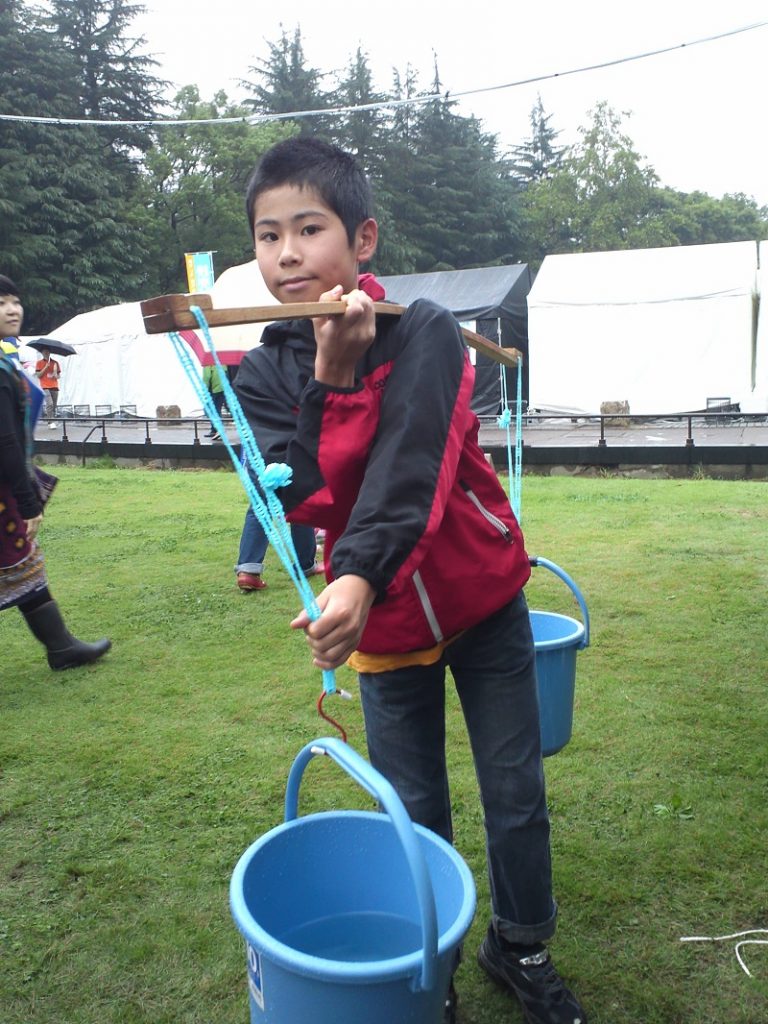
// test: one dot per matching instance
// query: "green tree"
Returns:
(457, 205)
(286, 83)
(360, 132)
(700, 219)
(618, 196)
(67, 232)
(538, 157)
(602, 197)
(195, 185)
(396, 206)
(116, 80)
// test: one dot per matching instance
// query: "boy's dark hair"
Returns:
(7, 287)
(307, 162)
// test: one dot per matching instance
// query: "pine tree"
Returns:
(115, 78)
(399, 250)
(537, 158)
(455, 203)
(362, 133)
(69, 231)
(196, 180)
(287, 84)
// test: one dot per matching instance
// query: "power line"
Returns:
(383, 104)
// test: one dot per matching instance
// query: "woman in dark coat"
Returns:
(23, 493)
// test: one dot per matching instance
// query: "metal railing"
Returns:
(604, 423)
(600, 431)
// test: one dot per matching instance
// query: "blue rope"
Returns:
(517, 500)
(268, 478)
(504, 421)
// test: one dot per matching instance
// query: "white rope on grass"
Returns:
(737, 947)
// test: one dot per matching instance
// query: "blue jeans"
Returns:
(218, 403)
(253, 545)
(494, 670)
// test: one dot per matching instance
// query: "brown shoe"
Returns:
(248, 581)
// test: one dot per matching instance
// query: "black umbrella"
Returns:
(56, 348)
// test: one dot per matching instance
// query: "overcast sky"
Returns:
(697, 115)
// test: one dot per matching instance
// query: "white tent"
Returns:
(117, 364)
(667, 330)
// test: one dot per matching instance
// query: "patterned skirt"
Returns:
(22, 569)
(20, 580)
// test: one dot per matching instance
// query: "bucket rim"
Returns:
(344, 971)
(573, 639)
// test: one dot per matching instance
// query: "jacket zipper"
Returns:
(427, 608)
(501, 526)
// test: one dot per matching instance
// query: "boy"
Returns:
(424, 559)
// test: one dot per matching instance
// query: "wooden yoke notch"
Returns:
(172, 313)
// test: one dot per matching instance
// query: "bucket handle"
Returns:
(538, 560)
(375, 784)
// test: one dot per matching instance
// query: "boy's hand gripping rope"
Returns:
(261, 492)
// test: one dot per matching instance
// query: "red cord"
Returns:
(328, 718)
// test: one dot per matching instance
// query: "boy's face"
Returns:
(11, 316)
(302, 246)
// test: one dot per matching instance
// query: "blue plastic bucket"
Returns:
(350, 916)
(557, 638)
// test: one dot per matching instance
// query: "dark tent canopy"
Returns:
(494, 297)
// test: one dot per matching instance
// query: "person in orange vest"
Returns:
(48, 371)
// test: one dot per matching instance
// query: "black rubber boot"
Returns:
(64, 650)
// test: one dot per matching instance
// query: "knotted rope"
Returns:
(269, 478)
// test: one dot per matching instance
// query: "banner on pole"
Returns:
(199, 270)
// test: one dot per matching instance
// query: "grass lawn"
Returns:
(129, 789)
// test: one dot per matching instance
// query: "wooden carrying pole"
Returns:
(172, 313)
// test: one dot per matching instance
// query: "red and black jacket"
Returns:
(393, 471)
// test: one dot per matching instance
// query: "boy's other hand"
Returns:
(333, 637)
(342, 340)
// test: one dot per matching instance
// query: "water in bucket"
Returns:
(360, 936)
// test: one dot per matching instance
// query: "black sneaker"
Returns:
(449, 1013)
(534, 980)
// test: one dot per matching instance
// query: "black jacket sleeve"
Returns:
(413, 461)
